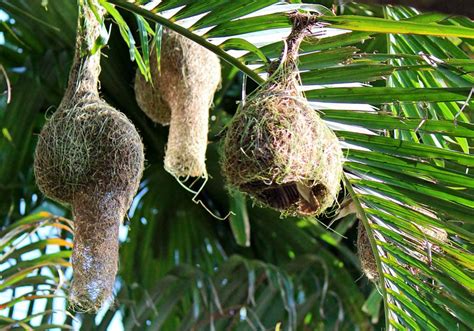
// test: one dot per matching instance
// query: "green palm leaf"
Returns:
(33, 257)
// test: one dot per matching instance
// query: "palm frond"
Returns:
(248, 294)
(34, 254)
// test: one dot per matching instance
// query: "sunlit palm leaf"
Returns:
(34, 253)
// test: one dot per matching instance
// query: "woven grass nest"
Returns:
(277, 149)
(90, 156)
(180, 94)
(367, 258)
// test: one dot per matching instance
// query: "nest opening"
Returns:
(287, 197)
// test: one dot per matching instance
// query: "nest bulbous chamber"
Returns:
(279, 151)
(91, 147)
(180, 94)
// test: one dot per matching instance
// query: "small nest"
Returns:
(366, 256)
(89, 155)
(279, 151)
(181, 94)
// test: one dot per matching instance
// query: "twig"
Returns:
(9, 89)
(463, 106)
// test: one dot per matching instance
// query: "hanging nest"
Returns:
(366, 256)
(89, 155)
(180, 94)
(367, 259)
(277, 149)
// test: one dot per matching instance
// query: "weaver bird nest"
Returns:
(431, 235)
(89, 155)
(277, 149)
(366, 256)
(180, 94)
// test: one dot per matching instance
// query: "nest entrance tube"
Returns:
(95, 253)
(90, 156)
(277, 149)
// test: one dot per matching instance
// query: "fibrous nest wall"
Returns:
(89, 155)
(181, 94)
(278, 150)
(366, 256)
(91, 148)
(149, 97)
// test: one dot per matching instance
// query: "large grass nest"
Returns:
(89, 148)
(180, 94)
(279, 151)
(89, 155)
